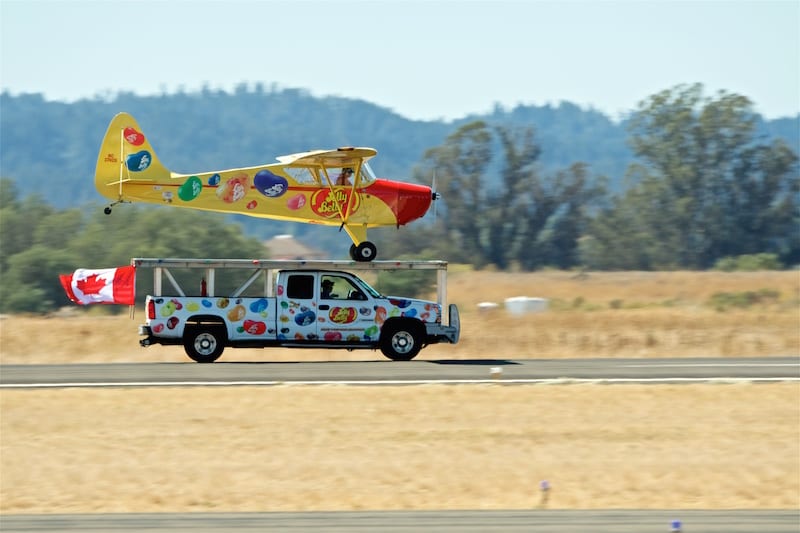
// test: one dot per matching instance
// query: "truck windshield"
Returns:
(372, 292)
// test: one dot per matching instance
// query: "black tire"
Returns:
(204, 344)
(365, 252)
(401, 340)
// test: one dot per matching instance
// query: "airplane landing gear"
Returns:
(107, 209)
(364, 252)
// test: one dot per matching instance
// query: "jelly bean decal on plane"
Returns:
(138, 162)
(234, 189)
(269, 184)
(190, 189)
(296, 202)
(132, 136)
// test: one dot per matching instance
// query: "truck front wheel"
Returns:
(204, 345)
(401, 340)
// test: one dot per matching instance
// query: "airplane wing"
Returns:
(340, 157)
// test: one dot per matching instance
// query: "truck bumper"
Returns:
(150, 339)
(450, 333)
(148, 336)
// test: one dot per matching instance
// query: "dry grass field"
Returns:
(721, 446)
(420, 447)
(622, 314)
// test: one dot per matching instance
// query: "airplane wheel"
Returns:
(107, 210)
(365, 252)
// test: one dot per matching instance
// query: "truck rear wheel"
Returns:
(204, 344)
(401, 340)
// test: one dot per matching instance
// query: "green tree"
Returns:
(18, 222)
(508, 217)
(31, 283)
(555, 217)
(460, 165)
(706, 187)
(8, 193)
(524, 218)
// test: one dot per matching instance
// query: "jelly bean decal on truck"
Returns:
(343, 315)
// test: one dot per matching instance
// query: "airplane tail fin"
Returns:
(126, 157)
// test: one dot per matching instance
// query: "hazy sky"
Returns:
(424, 60)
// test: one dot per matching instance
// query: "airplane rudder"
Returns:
(126, 143)
(140, 156)
(126, 155)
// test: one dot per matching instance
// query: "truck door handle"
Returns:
(324, 307)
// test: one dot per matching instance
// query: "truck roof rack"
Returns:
(268, 267)
(151, 262)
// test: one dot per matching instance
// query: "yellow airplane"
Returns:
(331, 187)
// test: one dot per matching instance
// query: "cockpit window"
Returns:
(367, 175)
(338, 175)
(341, 176)
(304, 176)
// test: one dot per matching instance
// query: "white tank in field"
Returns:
(520, 305)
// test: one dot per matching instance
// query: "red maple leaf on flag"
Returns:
(91, 285)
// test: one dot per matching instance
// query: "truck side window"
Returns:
(340, 288)
(300, 287)
(356, 294)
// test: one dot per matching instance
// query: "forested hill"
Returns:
(51, 148)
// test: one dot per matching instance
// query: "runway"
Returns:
(588, 521)
(453, 371)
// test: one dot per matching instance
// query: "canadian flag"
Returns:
(101, 286)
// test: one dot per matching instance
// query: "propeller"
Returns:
(435, 195)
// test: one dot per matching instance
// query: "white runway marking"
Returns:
(558, 381)
(693, 365)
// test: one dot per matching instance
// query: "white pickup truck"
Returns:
(309, 304)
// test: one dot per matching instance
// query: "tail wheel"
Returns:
(364, 252)
(401, 340)
(204, 344)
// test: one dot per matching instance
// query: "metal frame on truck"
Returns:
(267, 268)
